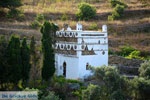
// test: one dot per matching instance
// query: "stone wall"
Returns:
(125, 66)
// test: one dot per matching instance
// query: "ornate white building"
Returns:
(77, 49)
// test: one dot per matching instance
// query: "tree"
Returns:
(117, 13)
(3, 59)
(35, 72)
(140, 88)
(14, 60)
(48, 67)
(145, 70)
(25, 57)
(113, 84)
(113, 3)
(93, 92)
(11, 4)
(86, 11)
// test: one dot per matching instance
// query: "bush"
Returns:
(114, 3)
(35, 24)
(39, 17)
(15, 13)
(93, 92)
(140, 89)
(112, 83)
(145, 70)
(64, 17)
(86, 11)
(117, 13)
(61, 79)
(125, 51)
(21, 17)
(93, 27)
(135, 55)
(50, 96)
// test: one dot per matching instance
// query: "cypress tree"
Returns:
(48, 67)
(3, 60)
(14, 60)
(32, 46)
(25, 56)
(35, 72)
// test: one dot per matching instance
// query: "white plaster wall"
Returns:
(72, 63)
(93, 60)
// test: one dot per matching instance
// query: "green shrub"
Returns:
(145, 70)
(50, 96)
(125, 51)
(140, 89)
(61, 79)
(93, 92)
(21, 17)
(117, 13)
(135, 55)
(35, 24)
(114, 3)
(93, 27)
(86, 11)
(64, 17)
(39, 17)
(15, 13)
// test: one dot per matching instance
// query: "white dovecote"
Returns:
(77, 48)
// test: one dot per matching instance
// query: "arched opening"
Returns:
(64, 69)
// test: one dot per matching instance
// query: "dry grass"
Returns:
(58, 7)
(134, 40)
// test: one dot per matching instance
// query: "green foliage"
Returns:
(25, 57)
(35, 24)
(140, 88)
(86, 11)
(14, 69)
(61, 79)
(93, 92)
(32, 46)
(15, 13)
(117, 13)
(145, 70)
(114, 85)
(11, 4)
(48, 68)
(125, 51)
(135, 55)
(64, 17)
(39, 17)
(93, 27)
(50, 96)
(35, 71)
(3, 58)
(114, 3)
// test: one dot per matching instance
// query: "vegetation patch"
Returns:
(86, 11)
